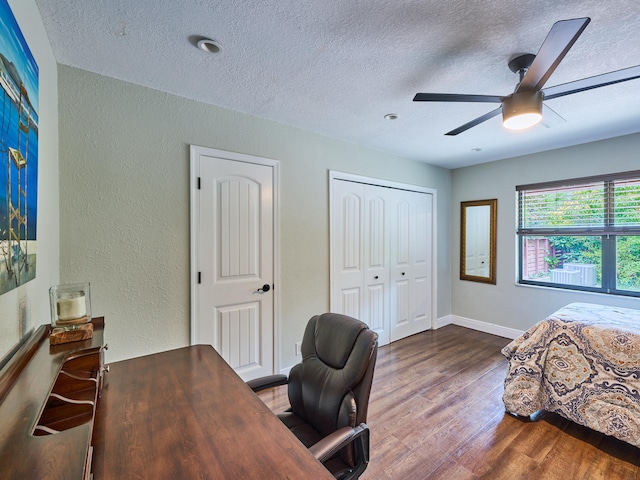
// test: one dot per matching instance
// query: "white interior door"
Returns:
(360, 247)
(233, 299)
(410, 263)
(381, 250)
(376, 261)
(348, 217)
(400, 268)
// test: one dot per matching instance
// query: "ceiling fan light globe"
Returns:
(522, 110)
(522, 121)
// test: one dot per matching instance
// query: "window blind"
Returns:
(626, 203)
(589, 206)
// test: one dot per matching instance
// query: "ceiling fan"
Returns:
(523, 108)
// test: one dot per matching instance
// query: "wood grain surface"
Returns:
(436, 412)
(186, 414)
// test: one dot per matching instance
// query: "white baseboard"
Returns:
(485, 327)
(443, 321)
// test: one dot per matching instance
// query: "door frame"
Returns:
(336, 175)
(194, 155)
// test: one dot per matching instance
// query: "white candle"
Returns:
(71, 307)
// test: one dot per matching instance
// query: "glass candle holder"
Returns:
(70, 305)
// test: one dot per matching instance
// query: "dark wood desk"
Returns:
(185, 414)
(46, 389)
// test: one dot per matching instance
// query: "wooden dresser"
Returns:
(48, 400)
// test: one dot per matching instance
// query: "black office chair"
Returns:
(329, 392)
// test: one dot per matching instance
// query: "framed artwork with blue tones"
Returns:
(18, 155)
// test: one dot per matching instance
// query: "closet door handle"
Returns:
(265, 288)
(376, 277)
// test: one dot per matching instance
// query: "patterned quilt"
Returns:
(582, 362)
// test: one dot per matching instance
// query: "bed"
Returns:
(583, 363)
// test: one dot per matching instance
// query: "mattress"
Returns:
(583, 363)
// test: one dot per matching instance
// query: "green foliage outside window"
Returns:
(571, 249)
(628, 263)
(576, 217)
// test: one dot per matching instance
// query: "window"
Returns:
(581, 234)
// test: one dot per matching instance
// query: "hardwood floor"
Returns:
(436, 412)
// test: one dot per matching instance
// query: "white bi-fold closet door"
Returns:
(382, 257)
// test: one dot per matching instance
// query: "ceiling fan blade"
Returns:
(455, 97)
(475, 122)
(550, 118)
(598, 81)
(559, 40)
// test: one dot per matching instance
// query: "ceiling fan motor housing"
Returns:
(522, 109)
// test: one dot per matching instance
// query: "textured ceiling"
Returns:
(336, 67)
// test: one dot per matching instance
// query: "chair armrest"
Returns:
(262, 383)
(332, 443)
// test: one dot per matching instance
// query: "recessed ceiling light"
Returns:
(391, 116)
(208, 45)
(476, 149)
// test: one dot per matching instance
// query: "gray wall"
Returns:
(507, 304)
(27, 306)
(124, 206)
(124, 215)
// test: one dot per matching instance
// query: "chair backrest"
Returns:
(330, 389)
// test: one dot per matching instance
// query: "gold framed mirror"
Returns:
(478, 240)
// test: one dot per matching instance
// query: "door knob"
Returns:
(265, 288)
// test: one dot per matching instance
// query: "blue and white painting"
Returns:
(18, 155)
